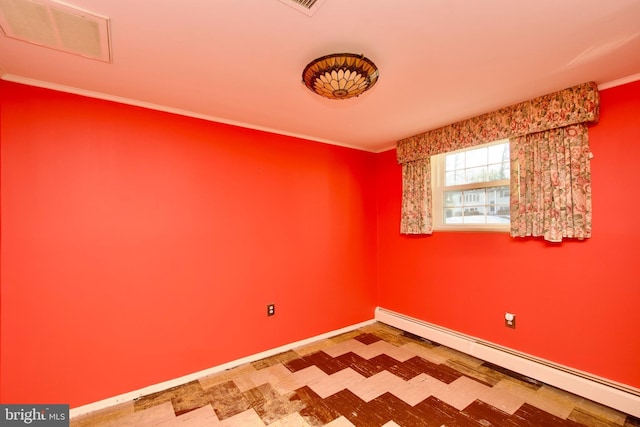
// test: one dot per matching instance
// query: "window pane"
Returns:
(453, 198)
(499, 153)
(499, 171)
(500, 214)
(476, 157)
(478, 174)
(502, 194)
(477, 165)
(462, 198)
(479, 206)
(454, 161)
(453, 216)
(455, 177)
(474, 197)
(474, 215)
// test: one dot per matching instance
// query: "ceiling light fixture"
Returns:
(340, 75)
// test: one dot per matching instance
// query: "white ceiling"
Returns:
(440, 61)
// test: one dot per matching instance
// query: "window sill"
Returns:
(474, 228)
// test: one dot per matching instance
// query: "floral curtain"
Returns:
(575, 105)
(551, 184)
(416, 197)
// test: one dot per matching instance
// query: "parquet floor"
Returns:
(374, 376)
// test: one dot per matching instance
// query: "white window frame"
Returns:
(438, 189)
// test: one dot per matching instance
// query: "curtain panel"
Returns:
(551, 184)
(576, 105)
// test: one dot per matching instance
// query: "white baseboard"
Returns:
(126, 397)
(615, 395)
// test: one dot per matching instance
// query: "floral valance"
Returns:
(578, 104)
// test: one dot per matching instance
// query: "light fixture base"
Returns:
(340, 75)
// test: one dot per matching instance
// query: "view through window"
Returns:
(471, 187)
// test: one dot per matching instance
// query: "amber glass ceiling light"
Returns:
(340, 76)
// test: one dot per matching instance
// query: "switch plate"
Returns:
(271, 309)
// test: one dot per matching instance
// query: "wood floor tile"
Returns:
(326, 363)
(334, 383)
(437, 413)
(517, 388)
(427, 353)
(346, 336)
(532, 383)
(367, 338)
(359, 364)
(388, 333)
(462, 392)
(632, 421)
(555, 401)
(584, 418)
(380, 411)
(486, 414)
(371, 377)
(227, 400)
(441, 372)
(155, 415)
(224, 376)
(530, 416)
(315, 346)
(272, 374)
(376, 385)
(502, 397)
(315, 408)
(291, 420)
(309, 375)
(420, 340)
(190, 398)
(382, 347)
(418, 388)
(201, 417)
(275, 360)
(259, 395)
(340, 422)
(599, 411)
(348, 346)
(353, 408)
(270, 405)
(384, 362)
(478, 372)
(103, 416)
(248, 418)
(184, 398)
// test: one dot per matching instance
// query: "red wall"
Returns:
(576, 302)
(139, 246)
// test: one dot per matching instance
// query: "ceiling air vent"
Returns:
(308, 7)
(57, 26)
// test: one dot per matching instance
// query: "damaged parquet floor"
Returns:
(374, 376)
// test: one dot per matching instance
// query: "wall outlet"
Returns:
(510, 320)
(271, 309)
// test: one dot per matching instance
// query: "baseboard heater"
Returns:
(615, 395)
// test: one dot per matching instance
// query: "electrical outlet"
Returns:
(271, 309)
(510, 320)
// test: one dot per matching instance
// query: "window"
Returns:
(471, 188)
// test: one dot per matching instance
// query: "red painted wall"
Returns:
(576, 302)
(139, 246)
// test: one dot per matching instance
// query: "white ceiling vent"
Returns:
(308, 7)
(57, 26)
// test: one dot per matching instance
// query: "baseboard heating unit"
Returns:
(615, 395)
